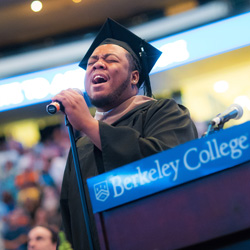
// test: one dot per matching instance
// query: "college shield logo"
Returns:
(101, 191)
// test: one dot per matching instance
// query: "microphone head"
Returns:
(235, 111)
(78, 91)
(239, 110)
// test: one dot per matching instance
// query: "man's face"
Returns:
(108, 79)
(39, 238)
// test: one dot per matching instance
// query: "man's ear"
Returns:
(134, 77)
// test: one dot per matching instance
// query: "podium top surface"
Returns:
(192, 160)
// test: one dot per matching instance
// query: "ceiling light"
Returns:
(221, 86)
(36, 6)
(76, 1)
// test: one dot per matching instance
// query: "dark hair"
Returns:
(134, 64)
(54, 234)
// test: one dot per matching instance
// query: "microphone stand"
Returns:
(211, 128)
(79, 180)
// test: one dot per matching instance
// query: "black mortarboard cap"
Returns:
(114, 33)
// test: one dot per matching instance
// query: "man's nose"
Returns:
(100, 64)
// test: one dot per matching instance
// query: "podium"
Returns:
(205, 206)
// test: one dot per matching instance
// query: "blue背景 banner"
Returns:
(167, 169)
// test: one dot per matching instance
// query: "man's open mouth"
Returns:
(99, 79)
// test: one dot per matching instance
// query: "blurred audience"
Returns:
(30, 184)
(17, 227)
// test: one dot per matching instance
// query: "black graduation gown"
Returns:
(147, 129)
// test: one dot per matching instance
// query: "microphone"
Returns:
(54, 107)
(235, 111)
(57, 106)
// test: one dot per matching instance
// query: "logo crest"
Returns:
(101, 191)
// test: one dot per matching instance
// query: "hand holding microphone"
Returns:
(73, 104)
(57, 106)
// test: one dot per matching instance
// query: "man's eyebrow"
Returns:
(94, 57)
(104, 56)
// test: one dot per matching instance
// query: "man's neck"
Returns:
(110, 107)
(117, 112)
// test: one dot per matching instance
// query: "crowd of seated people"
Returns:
(30, 183)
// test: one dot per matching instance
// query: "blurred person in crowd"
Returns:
(12, 144)
(48, 217)
(126, 127)
(28, 174)
(8, 173)
(8, 179)
(27, 182)
(50, 190)
(15, 230)
(3, 212)
(61, 138)
(2, 143)
(52, 159)
(45, 177)
(8, 200)
(42, 238)
(41, 217)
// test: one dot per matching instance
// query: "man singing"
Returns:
(126, 127)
